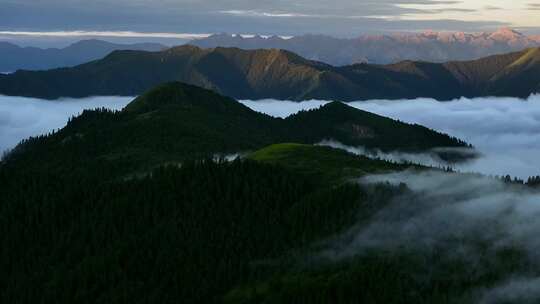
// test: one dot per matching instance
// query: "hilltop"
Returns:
(175, 122)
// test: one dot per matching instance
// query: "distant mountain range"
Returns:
(13, 57)
(280, 74)
(385, 49)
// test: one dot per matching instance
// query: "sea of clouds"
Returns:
(505, 130)
(22, 117)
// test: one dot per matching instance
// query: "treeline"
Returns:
(533, 181)
(174, 235)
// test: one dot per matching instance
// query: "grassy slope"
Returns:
(328, 165)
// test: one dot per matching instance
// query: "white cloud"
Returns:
(22, 117)
(254, 13)
(112, 34)
(450, 217)
(505, 130)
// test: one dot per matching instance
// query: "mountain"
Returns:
(385, 49)
(177, 122)
(13, 57)
(280, 74)
(133, 207)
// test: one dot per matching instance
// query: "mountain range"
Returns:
(385, 49)
(280, 74)
(14, 57)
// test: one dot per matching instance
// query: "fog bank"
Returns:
(22, 117)
(505, 130)
(455, 217)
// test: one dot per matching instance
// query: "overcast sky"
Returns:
(281, 17)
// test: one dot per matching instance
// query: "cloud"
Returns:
(429, 158)
(533, 6)
(455, 217)
(253, 13)
(282, 109)
(515, 290)
(114, 34)
(22, 117)
(506, 131)
(280, 17)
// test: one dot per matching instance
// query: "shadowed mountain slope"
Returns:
(281, 75)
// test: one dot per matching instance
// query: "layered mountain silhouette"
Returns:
(14, 57)
(280, 74)
(385, 49)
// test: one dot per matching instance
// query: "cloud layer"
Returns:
(505, 130)
(343, 17)
(22, 117)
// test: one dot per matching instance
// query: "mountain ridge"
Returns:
(283, 75)
(386, 49)
(14, 57)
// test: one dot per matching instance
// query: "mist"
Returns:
(449, 217)
(22, 117)
(506, 131)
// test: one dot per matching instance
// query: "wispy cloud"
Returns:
(115, 34)
(254, 13)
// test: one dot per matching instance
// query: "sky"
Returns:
(186, 19)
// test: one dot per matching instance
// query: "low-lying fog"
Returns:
(22, 117)
(505, 130)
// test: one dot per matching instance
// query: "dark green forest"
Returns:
(138, 206)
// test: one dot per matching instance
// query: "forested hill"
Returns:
(278, 74)
(132, 207)
(175, 122)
